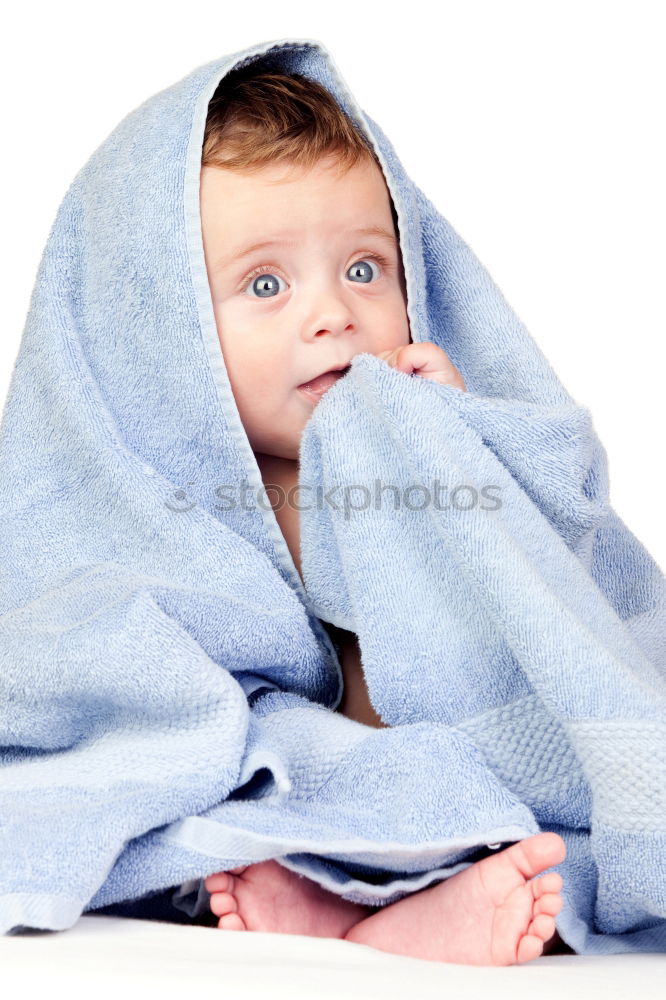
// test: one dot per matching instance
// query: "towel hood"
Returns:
(175, 411)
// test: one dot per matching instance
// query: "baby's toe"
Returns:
(543, 926)
(552, 882)
(231, 922)
(551, 903)
(220, 882)
(222, 903)
(529, 948)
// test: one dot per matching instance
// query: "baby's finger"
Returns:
(451, 376)
(397, 358)
(427, 360)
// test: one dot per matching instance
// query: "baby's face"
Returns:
(322, 288)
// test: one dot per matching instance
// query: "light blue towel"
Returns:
(167, 685)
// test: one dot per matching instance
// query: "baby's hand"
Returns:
(426, 360)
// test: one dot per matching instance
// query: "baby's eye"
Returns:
(264, 283)
(361, 269)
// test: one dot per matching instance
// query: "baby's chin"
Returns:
(284, 446)
(278, 456)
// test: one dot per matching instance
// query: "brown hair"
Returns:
(257, 118)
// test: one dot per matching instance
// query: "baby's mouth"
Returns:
(316, 387)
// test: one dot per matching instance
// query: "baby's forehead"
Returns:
(248, 211)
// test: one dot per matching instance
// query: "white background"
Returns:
(535, 127)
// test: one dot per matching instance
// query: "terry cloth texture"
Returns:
(168, 687)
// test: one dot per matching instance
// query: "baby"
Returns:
(305, 272)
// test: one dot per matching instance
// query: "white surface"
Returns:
(115, 957)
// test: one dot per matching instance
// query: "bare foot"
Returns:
(493, 913)
(496, 912)
(268, 897)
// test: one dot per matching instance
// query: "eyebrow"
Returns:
(241, 252)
